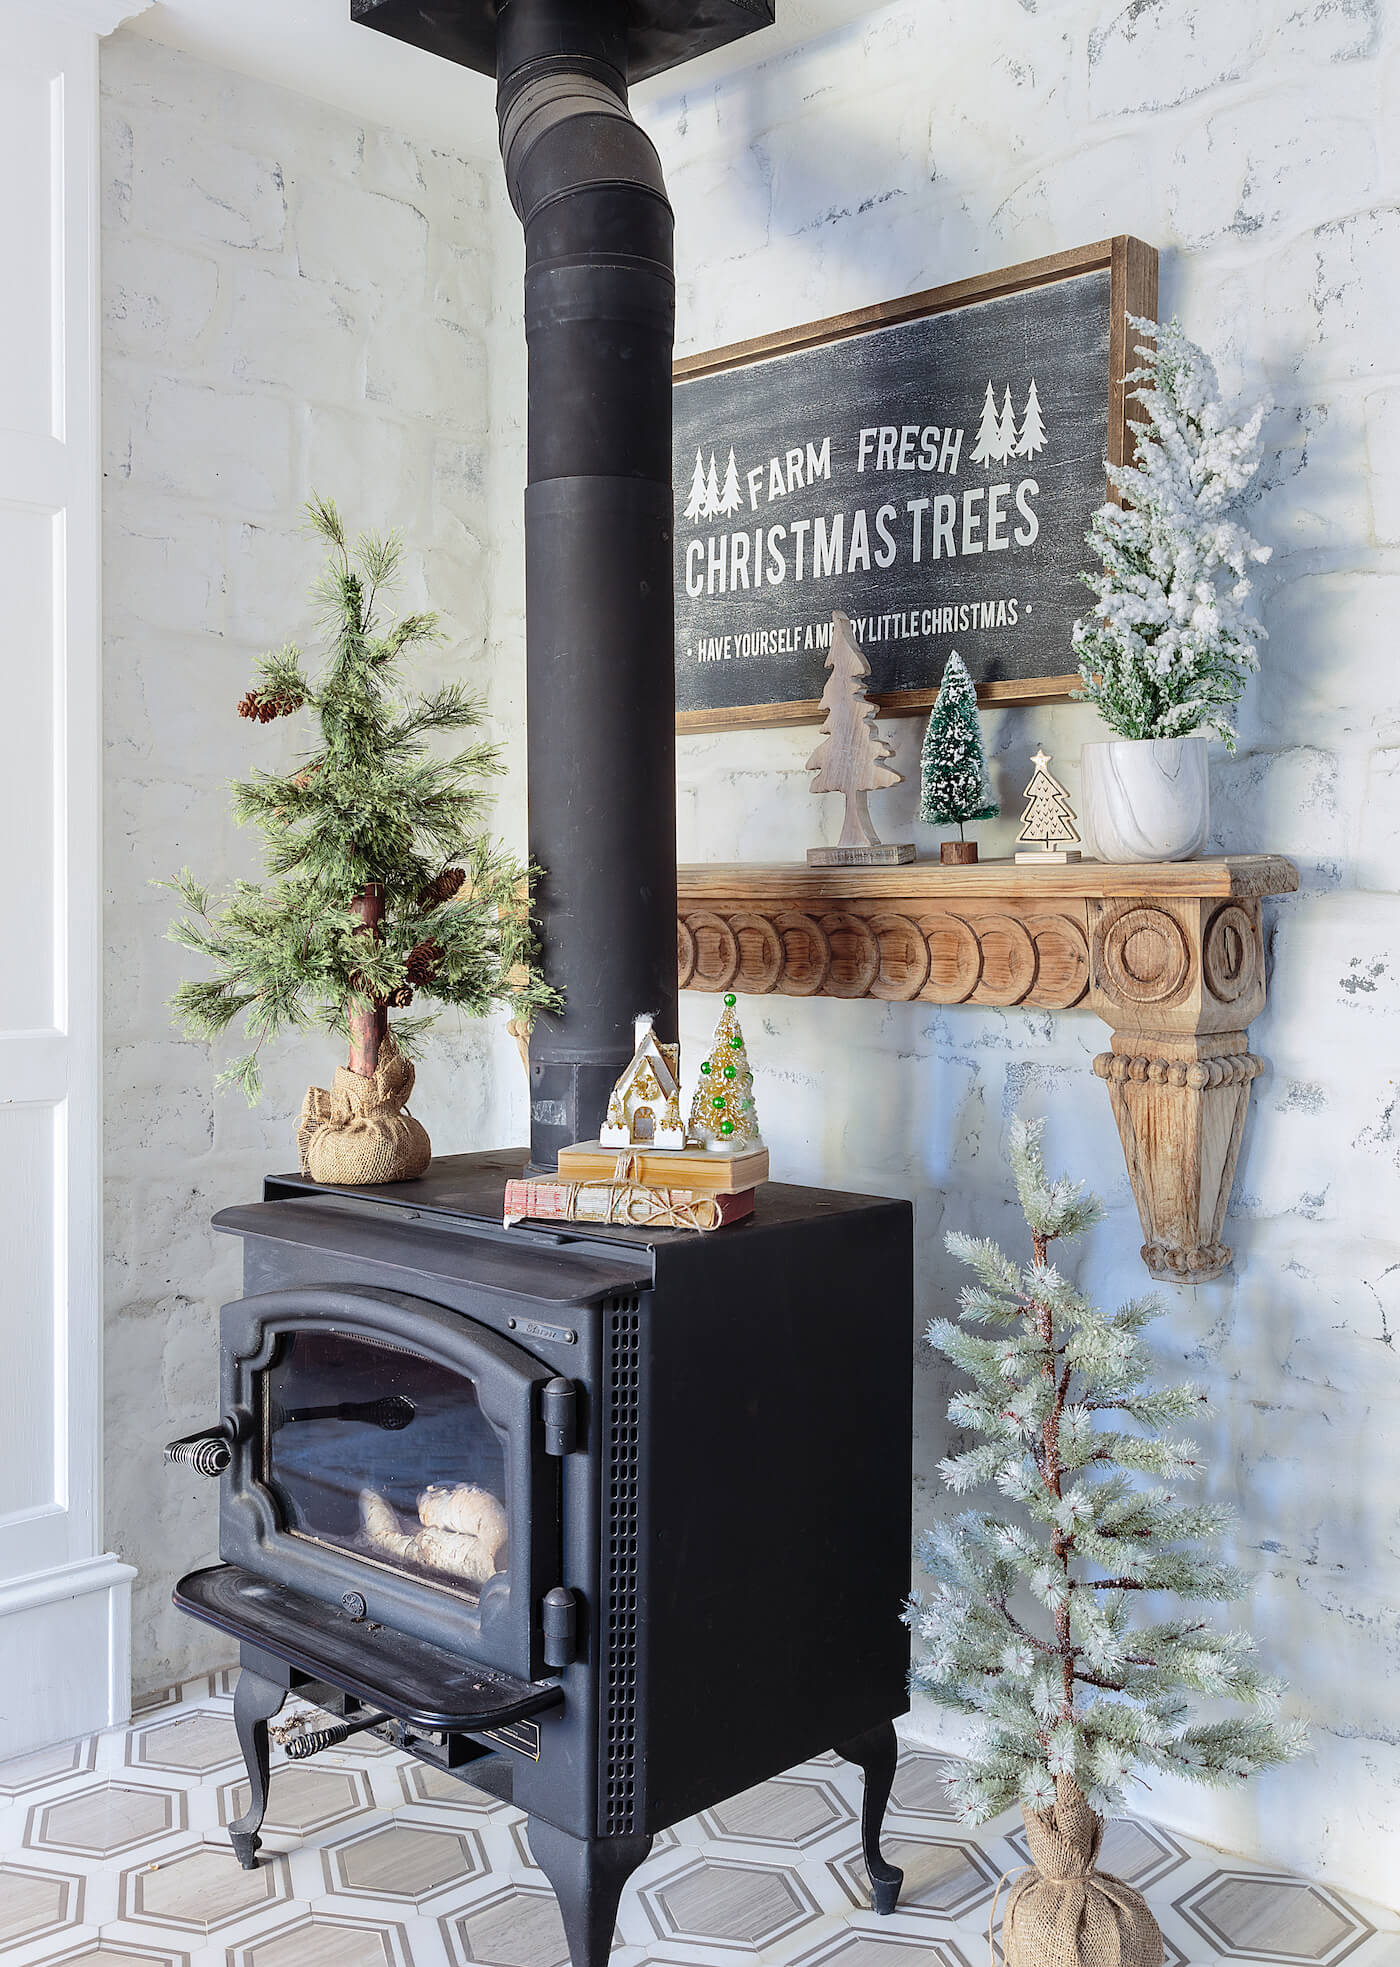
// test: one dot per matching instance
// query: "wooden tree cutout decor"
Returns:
(850, 758)
(1048, 817)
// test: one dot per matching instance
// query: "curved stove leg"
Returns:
(255, 1701)
(876, 1754)
(588, 1875)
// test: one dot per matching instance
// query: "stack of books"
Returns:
(644, 1187)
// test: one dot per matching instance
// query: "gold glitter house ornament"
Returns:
(645, 1107)
(723, 1115)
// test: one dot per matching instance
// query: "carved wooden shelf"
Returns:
(1171, 955)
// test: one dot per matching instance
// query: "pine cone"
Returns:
(401, 998)
(448, 884)
(264, 709)
(421, 963)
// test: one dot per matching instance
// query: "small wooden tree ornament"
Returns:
(1048, 817)
(850, 758)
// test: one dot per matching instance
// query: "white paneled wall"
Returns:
(64, 1613)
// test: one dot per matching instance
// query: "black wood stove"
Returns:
(699, 1450)
(612, 1523)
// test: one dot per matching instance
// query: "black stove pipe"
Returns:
(587, 186)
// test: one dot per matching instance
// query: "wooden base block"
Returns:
(1055, 857)
(861, 856)
(958, 853)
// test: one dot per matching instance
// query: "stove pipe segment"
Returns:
(587, 186)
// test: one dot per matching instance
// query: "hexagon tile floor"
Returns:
(112, 1855)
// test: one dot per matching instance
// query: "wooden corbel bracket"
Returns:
(1171, 956)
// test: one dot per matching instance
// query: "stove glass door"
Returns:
(385, 1453)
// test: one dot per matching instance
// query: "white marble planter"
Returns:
(1145, 799)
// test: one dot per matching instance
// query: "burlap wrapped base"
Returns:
(1066, 1914)
(359, 1131)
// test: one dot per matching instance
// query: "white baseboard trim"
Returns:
(65, 1653)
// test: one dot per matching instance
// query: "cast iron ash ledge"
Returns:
(409, 1678)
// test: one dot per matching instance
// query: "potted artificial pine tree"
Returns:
(954, 787)
(381, 886)
(1042, 1626)
(1165, 657)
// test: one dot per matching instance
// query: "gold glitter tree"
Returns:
(723, 1115)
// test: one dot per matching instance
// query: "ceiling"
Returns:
(311, 46)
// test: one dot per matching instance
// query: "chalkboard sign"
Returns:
(929, 467)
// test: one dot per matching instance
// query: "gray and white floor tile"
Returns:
(114, 1853)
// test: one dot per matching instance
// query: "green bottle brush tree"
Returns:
(382, 887)
(1043, 1624)
(954, 782)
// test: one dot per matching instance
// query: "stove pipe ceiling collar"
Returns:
(587, 186)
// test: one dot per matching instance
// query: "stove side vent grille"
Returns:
(618, 1783)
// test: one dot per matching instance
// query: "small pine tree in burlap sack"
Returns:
(1065, 1912)
(1030, 1623)
(361, 1131)
(382, 886)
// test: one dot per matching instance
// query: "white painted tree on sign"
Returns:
(711, 490)
(1032, 426)
(1006, 430)
(988, 448)
(697, 505)
(730, 499)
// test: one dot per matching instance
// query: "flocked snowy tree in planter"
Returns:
(1043, 1625)
(1166, 655)
(382, 886)
(1171, 645)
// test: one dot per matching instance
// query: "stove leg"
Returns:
(255, 1701)
(876, 1753)
(588, 1875)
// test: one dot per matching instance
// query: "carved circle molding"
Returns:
(855, 955)
(992, 958)
(1231, 956)
(716, 951)
(1144, 955)
(904, 958)
(806, 953)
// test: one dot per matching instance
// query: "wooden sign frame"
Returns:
(1132, 269)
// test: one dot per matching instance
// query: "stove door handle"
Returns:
(559, 1411)
(207, 1453)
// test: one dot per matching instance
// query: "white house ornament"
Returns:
(645, 1107)
(1047, 818)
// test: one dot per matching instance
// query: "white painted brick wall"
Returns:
(290, 300)
(1255, 144)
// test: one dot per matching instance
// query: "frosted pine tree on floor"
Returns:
(1039, 1626)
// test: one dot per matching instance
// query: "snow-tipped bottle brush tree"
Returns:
(1046, 1622)
(1171, 645)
